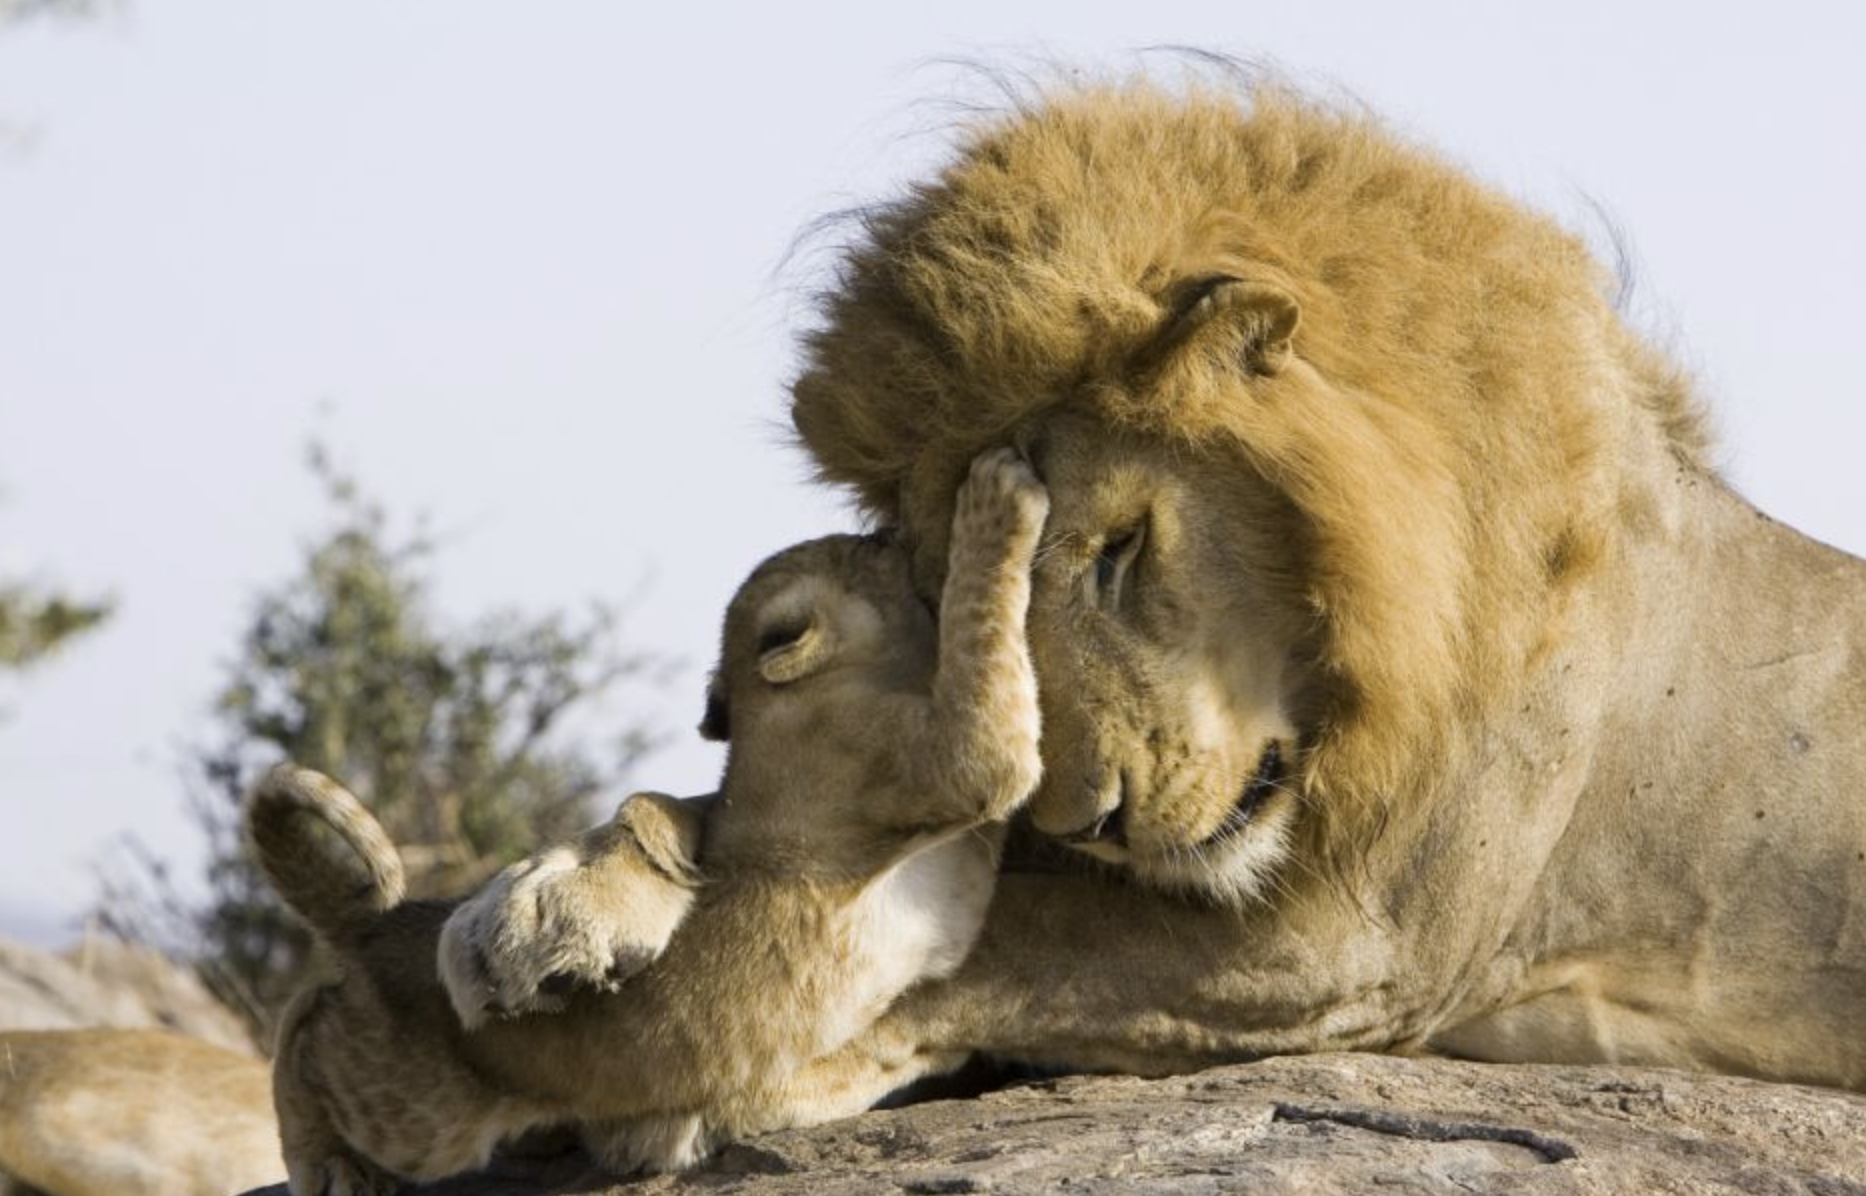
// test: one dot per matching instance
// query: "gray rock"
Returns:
(1320, 1124)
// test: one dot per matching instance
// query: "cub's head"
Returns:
(815, 643)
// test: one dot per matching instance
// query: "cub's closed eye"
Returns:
(781, 636)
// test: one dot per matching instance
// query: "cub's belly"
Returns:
(915, 922)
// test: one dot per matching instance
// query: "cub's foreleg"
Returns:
(980, 758)
(592, 912)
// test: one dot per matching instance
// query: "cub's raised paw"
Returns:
(1002, 498)
(515, 946)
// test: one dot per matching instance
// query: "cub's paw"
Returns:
(340, 1174)
(654, 1145)
(559, 921)
(510, 949)
(1002, 498)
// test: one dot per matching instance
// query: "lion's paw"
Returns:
(532, 935)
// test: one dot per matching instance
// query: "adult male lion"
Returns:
(1397, 643)
(1420, 682)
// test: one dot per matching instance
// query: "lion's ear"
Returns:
(1267, 315)
(667, 830)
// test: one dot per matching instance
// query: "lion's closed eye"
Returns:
(1115, 562)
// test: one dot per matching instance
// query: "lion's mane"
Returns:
(1459, 477)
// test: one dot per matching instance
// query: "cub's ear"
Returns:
(1267, 314)
(793, 648)
(668, 831)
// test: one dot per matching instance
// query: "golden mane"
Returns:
(1461, 468)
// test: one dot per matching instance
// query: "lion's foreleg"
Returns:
(1072, 971)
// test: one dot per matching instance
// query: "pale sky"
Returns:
(518, 265)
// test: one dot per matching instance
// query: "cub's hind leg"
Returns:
(318, 1162)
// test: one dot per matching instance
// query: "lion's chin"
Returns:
(1236, 861)
(1232, 867)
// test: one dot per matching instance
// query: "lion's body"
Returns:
(108, 1112)
(1581, 773)
(1706, 904)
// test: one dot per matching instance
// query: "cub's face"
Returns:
(1170, 633)
(817, 644)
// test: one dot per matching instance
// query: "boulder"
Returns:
(1318, 1124)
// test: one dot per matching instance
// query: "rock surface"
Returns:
(106, 982)
(1321, 1124)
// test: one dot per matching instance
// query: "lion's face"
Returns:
(1169, 633)
(1330, 549)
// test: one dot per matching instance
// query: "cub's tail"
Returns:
(325, 854)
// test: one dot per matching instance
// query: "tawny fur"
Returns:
(1579, 731)
(1352, 458)
(849, 854)
(592, 912)
(107, 1112)
(1438, 319)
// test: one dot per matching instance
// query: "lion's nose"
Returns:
(1109, 826)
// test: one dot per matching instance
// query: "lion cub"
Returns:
(850, 853)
